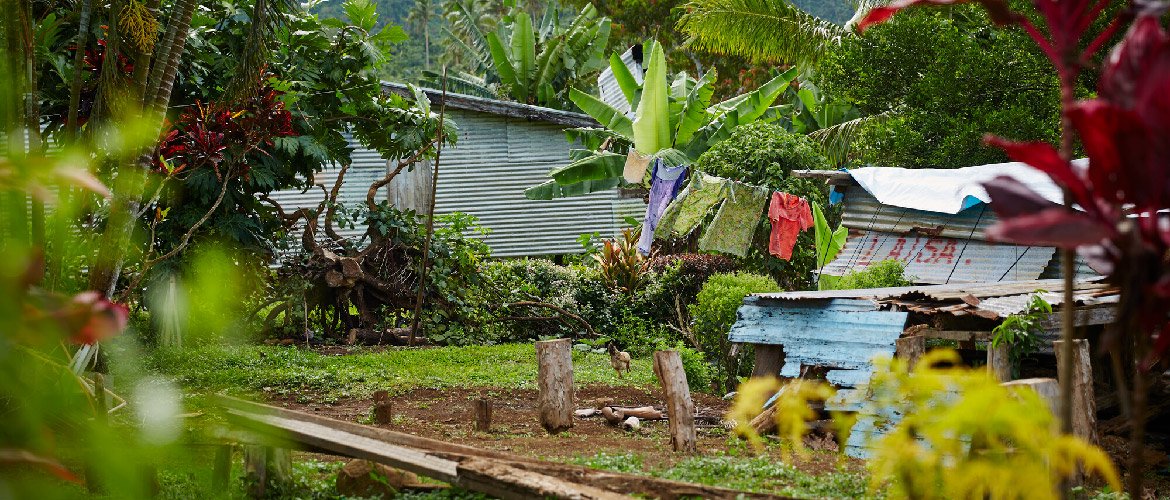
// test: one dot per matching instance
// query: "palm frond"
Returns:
(266, 19)
(761, 30)
(836, 142)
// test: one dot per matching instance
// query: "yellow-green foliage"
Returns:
(139, 25)
(985, 441)
(792, 409)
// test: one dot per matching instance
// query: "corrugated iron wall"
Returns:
(485, 174)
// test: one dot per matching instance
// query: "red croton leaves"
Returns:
(92, 318)
(207, 135)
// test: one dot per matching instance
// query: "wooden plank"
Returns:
(344, 443)
(495, 107)
(1103, 314)
(769, 360)
(833, 177)
(957, 335)
(613, 481)
(509, 483)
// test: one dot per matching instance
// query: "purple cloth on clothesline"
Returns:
(663, 188)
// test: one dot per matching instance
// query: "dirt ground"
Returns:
(447, 415)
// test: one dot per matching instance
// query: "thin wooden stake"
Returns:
(483, 414)
(383, 408)
(422, 275)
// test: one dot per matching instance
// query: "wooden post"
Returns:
(383, 408)
(669, 369)
(1046, 388)
(278, 461)
(910, 349)
(1084, 406)
(554, 361)
(769, 360)
(255, 470)
(483, 414)
(999, 361)
(221, 473)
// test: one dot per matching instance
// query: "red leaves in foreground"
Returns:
(94, 318)
(999, 11)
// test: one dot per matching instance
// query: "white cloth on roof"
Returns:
(950, 191)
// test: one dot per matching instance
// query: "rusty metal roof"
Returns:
(941, 260)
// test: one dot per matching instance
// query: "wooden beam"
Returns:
(999, 361)
(910, 349)
(957, 335)
(629, 484)
(509, 483)
(833, 177)
(1102, 314)
(1084, 411)
(495, 107)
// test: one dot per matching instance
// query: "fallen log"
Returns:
(614, 417)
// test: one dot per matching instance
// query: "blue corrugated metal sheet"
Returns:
(844, 335)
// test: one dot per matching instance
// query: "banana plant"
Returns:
(534, 64)
(674, 120)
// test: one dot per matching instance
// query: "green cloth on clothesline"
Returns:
(735, 224)
(692, 205)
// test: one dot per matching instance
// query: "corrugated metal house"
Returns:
(503, 148)
(967, 285)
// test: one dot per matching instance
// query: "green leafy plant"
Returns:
(1021, 332)
(715, 312)
(828, 245)
(886, 273)
(675, 120)
(622, 266)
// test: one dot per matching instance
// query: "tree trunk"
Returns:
(71, 128)
(554, 359)
(669, 369)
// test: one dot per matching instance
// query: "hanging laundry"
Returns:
(734, 225)
(663, 188)
(636, 164)
(790, 214)
(692, 205)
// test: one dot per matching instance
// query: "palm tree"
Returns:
(420, 17)
(760, 30)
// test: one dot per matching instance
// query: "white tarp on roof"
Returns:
(949, 191)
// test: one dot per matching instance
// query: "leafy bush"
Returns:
(881, 274)
(687, 272)
(714, 313)
(1022, 331)
(622, 266)
(764, 154)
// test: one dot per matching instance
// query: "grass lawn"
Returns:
(333, 378)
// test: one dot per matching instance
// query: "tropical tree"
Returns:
(533, 64)
(420, 20)
(760, 30)
(675, 120)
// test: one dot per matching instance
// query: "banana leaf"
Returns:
(551, 190)
(625, 79)
(652, 124)
(604, 114)
(599, 166)
(503, 63)
(592, 138)
(752, 105)
(828, 245)
(548, 64)
(694, 111)
(673, 157)
(717, 130)
(524, 54)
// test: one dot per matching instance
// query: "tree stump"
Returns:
(999, 361)
(255, 470)
(910, 349)
(1084, 406)
(1046, 388)
(383, 408)
(483, 414)
(554, 359)
(669, 369)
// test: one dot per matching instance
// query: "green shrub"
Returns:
(881, 274)
(714, 313)
(764, 154)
